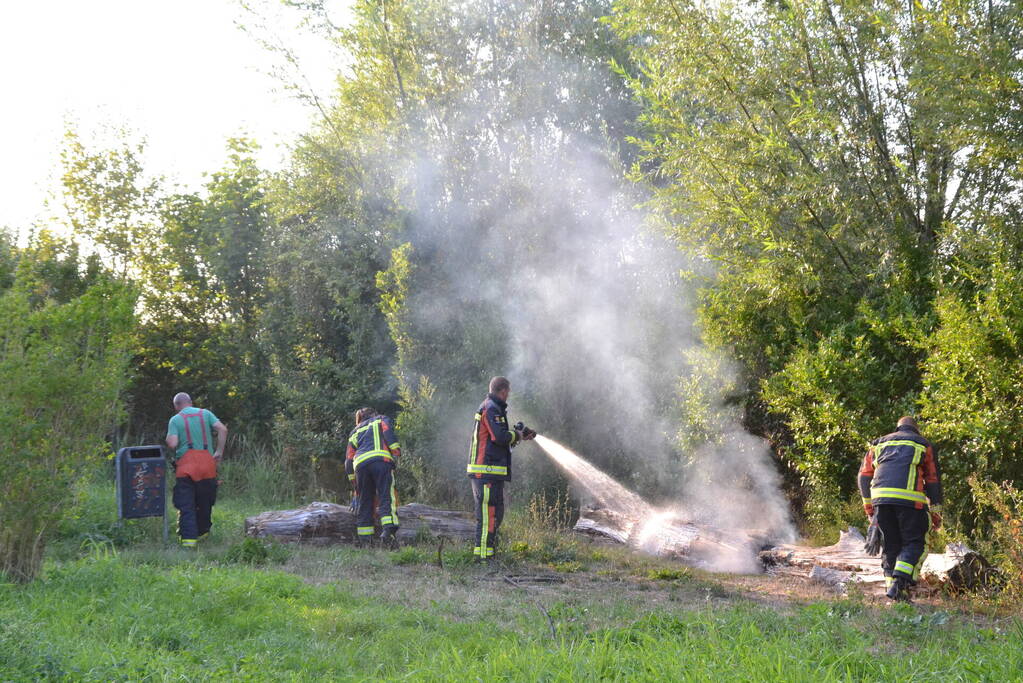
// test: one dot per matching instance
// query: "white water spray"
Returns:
(600, 487)
(656, 531)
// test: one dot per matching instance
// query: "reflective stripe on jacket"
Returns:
(901, 469)
(492, 441)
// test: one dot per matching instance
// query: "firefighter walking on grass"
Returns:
(490, 463)
(189, 436)
(370, 461)
(900, 483)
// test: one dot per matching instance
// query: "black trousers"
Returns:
(194, 501)
(905, 540)
(375, 482)
(489, 496)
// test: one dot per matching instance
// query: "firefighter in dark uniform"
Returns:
(370, 461)
(490, 463)
(900, 482)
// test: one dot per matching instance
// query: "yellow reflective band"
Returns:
(189, 542)
(394, 503)
(351, 477)
(901, 494)
(487, 469)
(376, 435)
(385, 520)
(904, 567)
(476, 551)
(888, 581)
(365, 530)
(867, 501)
(359, 459)
(515, 438)
(485, 527)
(396, 445)
(489, 552)
(901, 442)
(475, 442)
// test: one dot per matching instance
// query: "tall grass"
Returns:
(257, 471)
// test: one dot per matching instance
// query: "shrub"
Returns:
(64, 365)
(1004, 543)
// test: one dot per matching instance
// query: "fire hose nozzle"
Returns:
(527, 433)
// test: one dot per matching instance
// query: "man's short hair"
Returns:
(363, 414)
(908, 421)
(499, 384)
(181, 399)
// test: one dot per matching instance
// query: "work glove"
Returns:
(875, 539)
(935, 520)
(353, 507)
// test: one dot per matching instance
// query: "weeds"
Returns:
(410, 555)
(669, 574)
(257, 552)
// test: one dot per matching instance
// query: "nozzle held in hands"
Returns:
(526, 433)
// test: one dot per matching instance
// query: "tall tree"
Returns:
(840, 164)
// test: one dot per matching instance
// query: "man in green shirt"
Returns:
(190, 436)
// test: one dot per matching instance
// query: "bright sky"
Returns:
(179, 72)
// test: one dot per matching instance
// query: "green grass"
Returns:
(136, 611)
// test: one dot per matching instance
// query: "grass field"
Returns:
(128, 609)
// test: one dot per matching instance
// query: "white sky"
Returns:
(178, 72)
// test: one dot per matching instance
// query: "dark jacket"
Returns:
(373, 439)
(901, 468)
(492, 441)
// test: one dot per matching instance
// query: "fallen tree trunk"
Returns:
(667, 535)
(329, 523)
(958, 568)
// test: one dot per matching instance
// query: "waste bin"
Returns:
(141, 483)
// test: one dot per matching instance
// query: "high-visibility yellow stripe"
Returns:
(918, 454)
(904, 567)
(485, 527)
(363, 457)
(901, 442)
(900, 494)
(394, 503)
(487, 469)
(365, 530)
(475, 442)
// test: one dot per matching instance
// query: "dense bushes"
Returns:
(63, 364)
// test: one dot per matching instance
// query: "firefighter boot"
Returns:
(389, 536)
(898, 590)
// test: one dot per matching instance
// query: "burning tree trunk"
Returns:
(328, 523)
